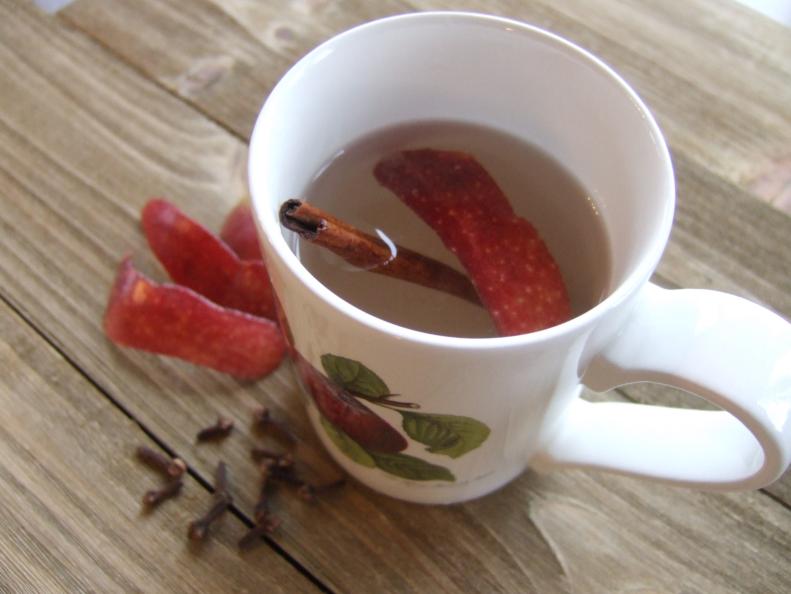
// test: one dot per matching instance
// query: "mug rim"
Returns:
(270, 225)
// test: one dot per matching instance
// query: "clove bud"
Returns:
(172, 468)
(199, 529)
(220, 430)
(154, 497)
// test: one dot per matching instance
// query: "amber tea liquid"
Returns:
(538, 187)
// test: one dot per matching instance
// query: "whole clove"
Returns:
(172, 468)
(199, 529)
(255, 535)
(154, 497)
(261, 508)
(265, 524)
(220, 430)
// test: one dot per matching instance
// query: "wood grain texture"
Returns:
(222, 57)
(696, 63)
(85, 140)
(71, 489)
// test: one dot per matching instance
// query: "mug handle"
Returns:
(730, 351)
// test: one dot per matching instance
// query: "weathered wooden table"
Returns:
(110, 102)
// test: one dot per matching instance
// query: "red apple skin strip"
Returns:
(196, 258)
(512, 269)
(346, 413)
(176, 321)
(240, 234)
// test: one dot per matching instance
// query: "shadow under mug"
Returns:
(514, 401)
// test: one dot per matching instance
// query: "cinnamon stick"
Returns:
(371, 253)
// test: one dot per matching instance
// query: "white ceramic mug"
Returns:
(490, 407)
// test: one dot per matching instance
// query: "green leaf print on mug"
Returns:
(446, 435)
(347, 445)
(412, 468)
(354, 376)
(449, 435)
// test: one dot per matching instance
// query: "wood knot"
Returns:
(285, 33)
(204, 73)
(283, 36)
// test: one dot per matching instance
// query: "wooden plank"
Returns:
(224, 58)
(219, 67)
(688, 60)
(71, 489)
(70, 210)
(724, 239)
(697, 64)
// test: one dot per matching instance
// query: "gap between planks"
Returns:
(201, 480)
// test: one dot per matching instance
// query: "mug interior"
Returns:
(481, 70)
